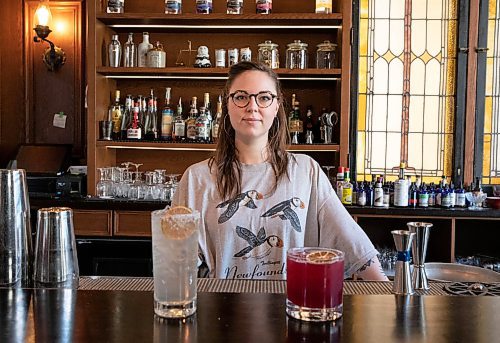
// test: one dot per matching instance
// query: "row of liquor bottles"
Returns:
(206, 6)
(140, 119)
(403, 192)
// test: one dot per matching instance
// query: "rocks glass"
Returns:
(315, 280)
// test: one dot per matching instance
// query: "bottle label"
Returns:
(401, 193)
(116, 117)
(179, 130)
(203, 6)
(323, 6)
(202, 130)
(361, 198)
(172, 6)
(423, 200)
(134, 133)
(347, 196)
(378, 197)
(263, 6)
(166, 124)
(191, 131)
(460, 201)
(115, 6)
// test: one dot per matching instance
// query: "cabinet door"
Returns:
(132, 223)
(92, 222)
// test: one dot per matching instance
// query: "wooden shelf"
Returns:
(217, 20)
(201, 146)
(219, 73)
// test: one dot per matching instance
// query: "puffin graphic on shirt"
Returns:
(259, 246)
(285, 210)
(244, 199)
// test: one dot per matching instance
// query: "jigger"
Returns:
(402, 276)
(419, 250)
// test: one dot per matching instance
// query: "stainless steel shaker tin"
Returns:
(56, 261)
(15, 230)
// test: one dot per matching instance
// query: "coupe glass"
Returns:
(475, 199)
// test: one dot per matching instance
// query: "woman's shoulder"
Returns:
(200, 168)
(302, 161)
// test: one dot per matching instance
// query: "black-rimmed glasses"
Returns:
(263, 99)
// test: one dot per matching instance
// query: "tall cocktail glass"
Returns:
(175, 255)
(315, 280)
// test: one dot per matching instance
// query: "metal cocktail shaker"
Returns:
(15, 230)
(402, 277)
(419, 250)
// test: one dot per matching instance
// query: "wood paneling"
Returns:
(59, 91)
(92, 223)
(12, 99)
(131, 223)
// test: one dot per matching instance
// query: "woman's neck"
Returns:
(251, 153)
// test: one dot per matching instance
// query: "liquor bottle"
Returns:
(150, 122)
(401, 188)
(263, 6)
(202, 126)
(115, 6)
(460, 196)
(114, 52)
(452, 195)
(477, 189)
(208, 113)
(361, 196)
(432, 195)
(370, 201)
(116, 115)
(378, 194)
(191, 133)
(347, 188)
(179, 131)
(355, 186)
(387, 195)
(234, 6)
(167, 118)
(127, 116)
(130, 52)
(309, 126)
(295, 125)
(423, 196)
(339, 182)
(418, 181)
(445, 197)
(413, 196)
(173, 6)
(142, 50)
(134, 129)
(217, 121)
(203, 6)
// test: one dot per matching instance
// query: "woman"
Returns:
(257, 200)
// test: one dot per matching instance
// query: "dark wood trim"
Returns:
(461, 90)
(345, 87)
(353, 129)
(470, 112)
(481, 52)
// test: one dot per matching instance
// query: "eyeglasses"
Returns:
(263, 99)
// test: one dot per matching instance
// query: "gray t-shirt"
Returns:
(247, 237)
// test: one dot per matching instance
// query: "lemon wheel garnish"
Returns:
(178, 228)
(179, 210)
(321, 257)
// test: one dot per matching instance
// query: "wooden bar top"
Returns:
(66, 315)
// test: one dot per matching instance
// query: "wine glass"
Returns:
(104, 188)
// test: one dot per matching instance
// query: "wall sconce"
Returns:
(53, 57)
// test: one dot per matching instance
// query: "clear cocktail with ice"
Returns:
(175, 255)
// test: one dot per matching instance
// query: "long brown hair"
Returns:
(225, 161)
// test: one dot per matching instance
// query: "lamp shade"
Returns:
(43, 17)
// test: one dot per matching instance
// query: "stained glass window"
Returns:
(407, 57)
(491, 145)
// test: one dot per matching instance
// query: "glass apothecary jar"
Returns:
(326, 55)
(269, 55)
(296, 55)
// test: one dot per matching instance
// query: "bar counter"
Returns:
(65, 315)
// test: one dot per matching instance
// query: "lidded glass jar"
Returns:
(326, 56)
(269, 55)
(296, 55)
